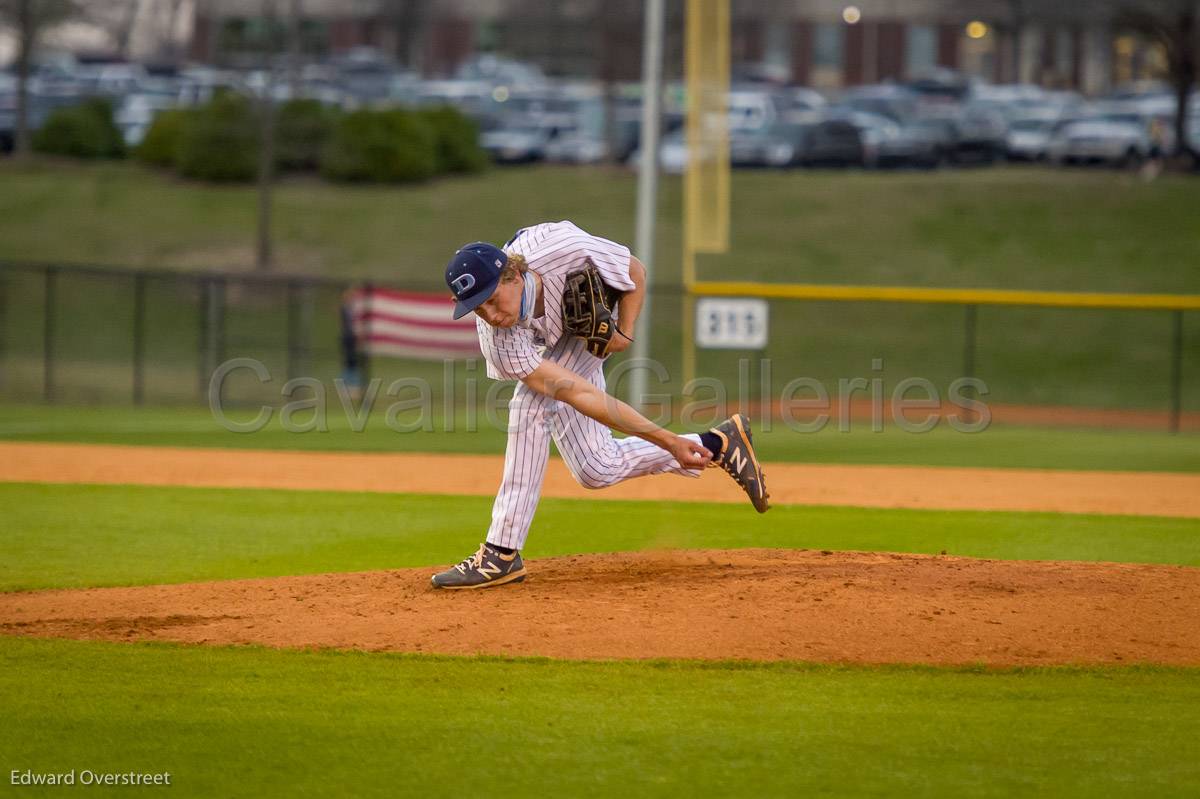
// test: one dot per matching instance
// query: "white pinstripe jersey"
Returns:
(552, 249)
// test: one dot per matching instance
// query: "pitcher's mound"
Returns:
(746, 604)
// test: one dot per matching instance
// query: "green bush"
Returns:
(160, 145)
(302, 131)
(86, 130)
(458, 147)
(381, 146)
(219, 141)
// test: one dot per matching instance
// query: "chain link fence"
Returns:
(76, 334)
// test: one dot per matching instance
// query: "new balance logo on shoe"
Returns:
(738, 460)
(487, 567)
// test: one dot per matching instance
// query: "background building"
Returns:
(824, 43)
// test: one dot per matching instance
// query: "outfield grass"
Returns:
(253, 722)
(1016, 227)
(60, 536)
(1073, 230)
(998, 446)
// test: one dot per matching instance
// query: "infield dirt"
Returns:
(1054, 490)
(754, 604)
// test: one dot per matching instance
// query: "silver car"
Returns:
(1101, 141)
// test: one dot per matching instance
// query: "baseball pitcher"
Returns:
(549, 307)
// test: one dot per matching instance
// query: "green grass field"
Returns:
(998, 446)
(62, 536)
(258, 722)
(252, 722)
(1071, 230)
(1068, 230)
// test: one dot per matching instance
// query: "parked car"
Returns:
(672, 153)
(516, 143)
(923, 142)
(835, 141)
(979, 134)
(136, 113)
(471, 98)
(897, 103)
(759, 133)
(1029, 138)
(1101, 141)
(766, 147)
(940, 86)
(576, 146)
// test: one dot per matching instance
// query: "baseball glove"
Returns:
(587, 309)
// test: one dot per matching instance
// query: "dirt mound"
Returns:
(745, 604)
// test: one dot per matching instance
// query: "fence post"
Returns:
(293, 300)
(202, 338)
(969, 323)
(364, 355)
(139, 338)
(48, 335)
(970, 318)
(1176, 371)
(217, 328)
(3, 323)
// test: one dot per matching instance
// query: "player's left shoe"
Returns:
(487, 567)
(738, 459)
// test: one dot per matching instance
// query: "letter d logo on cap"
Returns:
(463, 283)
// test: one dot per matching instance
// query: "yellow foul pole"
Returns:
(706, 178)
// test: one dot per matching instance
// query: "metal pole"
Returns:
(647, 199)
(3, 323)
(970, 317)
(139, 338)
(292, 291)
(969, 340)
(202, 339)
(218, 328)
(1176, 371)
(48, 336)
(266, 152)
(363, 343)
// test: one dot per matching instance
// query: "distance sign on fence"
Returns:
(731, 324)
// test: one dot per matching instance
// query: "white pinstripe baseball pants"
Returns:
(594, 458)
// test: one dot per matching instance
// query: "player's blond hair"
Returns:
(514, 268)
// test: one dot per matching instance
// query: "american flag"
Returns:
(408, 324)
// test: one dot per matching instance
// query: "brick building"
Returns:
(824, 43)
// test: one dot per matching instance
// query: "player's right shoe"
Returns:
(487, 567)
(737, 458)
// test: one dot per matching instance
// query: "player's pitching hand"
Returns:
(690, 454)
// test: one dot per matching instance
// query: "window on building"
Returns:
(1064, 52)
(827, 45)
(920, 49)
(777, 49)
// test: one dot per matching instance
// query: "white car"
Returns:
(1029, 139)
(1103, 141)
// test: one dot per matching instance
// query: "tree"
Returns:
(117, 19)
(1175, 26)
(29, 18)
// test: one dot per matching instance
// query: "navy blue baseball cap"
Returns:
(473, 274)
